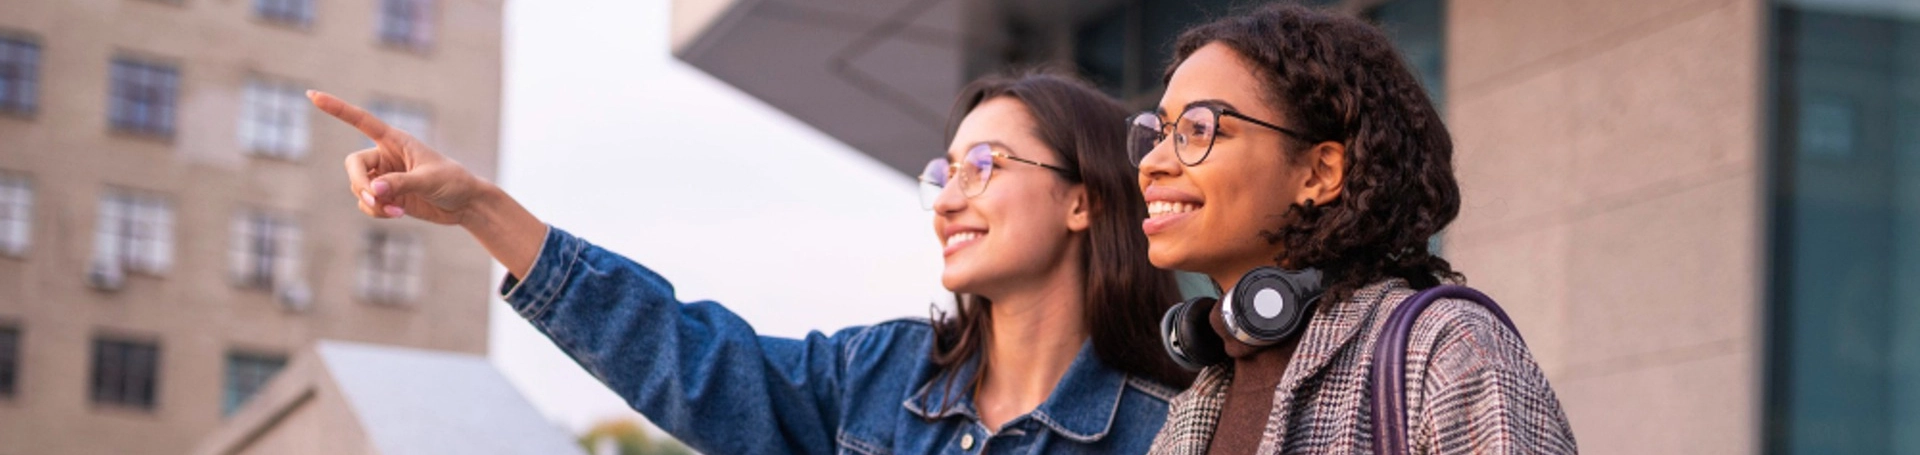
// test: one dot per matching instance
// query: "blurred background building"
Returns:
(1704, 215)
(172, 221)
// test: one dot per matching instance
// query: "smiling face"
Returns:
(1209, 217)
(1024, 225)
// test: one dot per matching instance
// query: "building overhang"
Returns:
(877, 75)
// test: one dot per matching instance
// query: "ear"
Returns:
(1079, 209)
(1326, 173)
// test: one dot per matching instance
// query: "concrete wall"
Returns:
(1611, 162)
(194, 312)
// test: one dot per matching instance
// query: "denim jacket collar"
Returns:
(1081, 407)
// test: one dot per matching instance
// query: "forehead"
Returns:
(1004, 120)
(1216, 72)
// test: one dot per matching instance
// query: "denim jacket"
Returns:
(702, 374)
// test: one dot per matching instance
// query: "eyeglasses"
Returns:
(1192, 132)
(972, 172)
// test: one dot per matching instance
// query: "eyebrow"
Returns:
(1162, 112)
(988, 143)
(1211, 102)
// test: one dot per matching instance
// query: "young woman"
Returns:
(1298, 139)
(1035, 208)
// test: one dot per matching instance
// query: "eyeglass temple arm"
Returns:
(1270, 126)
(1063, 171)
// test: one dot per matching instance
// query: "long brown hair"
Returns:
(1125, 294)
(1341, 80)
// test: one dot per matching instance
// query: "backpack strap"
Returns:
(1390, 362)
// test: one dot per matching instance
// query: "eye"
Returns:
(937, 172)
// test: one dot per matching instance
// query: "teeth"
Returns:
(1157, 208)
(962, 237)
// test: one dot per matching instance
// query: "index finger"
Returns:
(368, 125)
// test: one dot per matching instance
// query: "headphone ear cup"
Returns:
(1270, 304)
(1187, 334)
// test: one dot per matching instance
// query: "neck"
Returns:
(1228, 275)
(1036, 335)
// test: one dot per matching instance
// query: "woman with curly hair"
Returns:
(1298, 139)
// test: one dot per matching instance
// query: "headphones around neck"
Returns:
(1268, 305)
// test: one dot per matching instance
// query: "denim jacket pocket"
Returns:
(850, 444)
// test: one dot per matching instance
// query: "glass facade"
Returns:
(1125, 49)
(1844, 332)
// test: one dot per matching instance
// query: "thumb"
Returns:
(391, 185)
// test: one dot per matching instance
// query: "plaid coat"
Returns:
(1472, 387)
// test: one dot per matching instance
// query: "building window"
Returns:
(1843, 369)
(273, 119)
(409, 117)
(143, 97)
(390, 267)
(406, 23)
(134, 232)
(9, 360)
(125, 373)
(246, 374)
(16, 214)
(19, 75)
(290, 12)
(265, 251)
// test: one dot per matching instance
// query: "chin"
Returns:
(1164, 256)
(958, 282)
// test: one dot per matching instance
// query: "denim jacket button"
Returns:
(966, 442)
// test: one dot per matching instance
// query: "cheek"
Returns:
(1245, 197)
(1027, 229)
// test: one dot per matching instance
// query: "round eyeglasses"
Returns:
(972, 173)
(1192, 133)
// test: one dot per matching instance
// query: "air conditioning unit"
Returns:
(106, 275)
(295, 296)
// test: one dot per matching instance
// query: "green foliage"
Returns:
(628, 437)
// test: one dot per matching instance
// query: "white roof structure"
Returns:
(351, 398)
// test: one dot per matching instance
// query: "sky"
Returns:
(606, 135)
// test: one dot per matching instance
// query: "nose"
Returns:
(1160, 161)
(951, 199)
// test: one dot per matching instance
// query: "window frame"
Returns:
(11, 336)
(266, 248)
(392, 267)
(142, 237)
(229, 402)
(135, 391)
(278, 12)
(143, 97)
(275, 120)
(25, 102)
(17, 195)
(406, 24)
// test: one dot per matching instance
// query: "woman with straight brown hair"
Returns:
(1034, 205)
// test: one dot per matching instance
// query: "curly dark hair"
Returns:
(1341, 80)
(1125, 295)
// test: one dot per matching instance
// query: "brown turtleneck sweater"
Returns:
(1256, 373)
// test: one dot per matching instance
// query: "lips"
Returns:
(1167, 207)
(1164, 208)
(960, 237)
